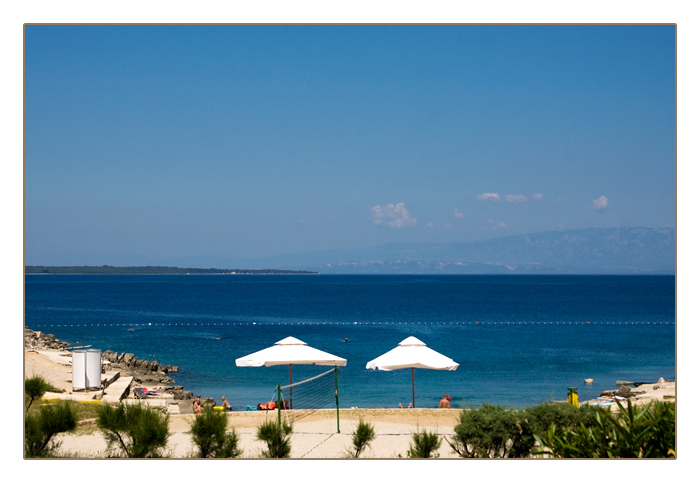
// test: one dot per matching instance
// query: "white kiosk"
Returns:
(87, 369)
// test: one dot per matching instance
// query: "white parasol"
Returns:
(290, 351)
(412, 353)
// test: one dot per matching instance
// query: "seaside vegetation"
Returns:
(133, 431)
(210, 438)
(362, 437)
(42, 426)
(425, 445)
(35, 387)
(566, 431)
(632, 432)
(277, 438)
(492, 432)
(155, 270)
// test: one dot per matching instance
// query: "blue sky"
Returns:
(154, 144)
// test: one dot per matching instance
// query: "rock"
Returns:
(179, 393)
(624, 383)
(624, 391)
(109, 355)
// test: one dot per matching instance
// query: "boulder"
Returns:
(624, 391)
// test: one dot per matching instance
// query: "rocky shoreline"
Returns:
(144, 372)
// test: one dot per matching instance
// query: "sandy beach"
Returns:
(315, 435)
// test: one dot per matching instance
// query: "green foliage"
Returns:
(210, 437)
(361, 438)
(492, 432)
(564, 416)
(424, 445)
(134, 431)
(40, 429)
(277, 438)
(648, 432)
(35, 387)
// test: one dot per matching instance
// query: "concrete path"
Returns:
(118, 390)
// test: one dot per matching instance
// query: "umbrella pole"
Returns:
(413, 384)
(290, 386)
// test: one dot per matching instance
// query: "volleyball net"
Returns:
(304, 398)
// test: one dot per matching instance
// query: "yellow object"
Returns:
(218, 408)
(50, 399)
(91, 401)
(572, 397)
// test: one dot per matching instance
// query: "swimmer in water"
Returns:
(346, 339)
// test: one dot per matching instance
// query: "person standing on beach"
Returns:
(197, 405)
(225, 403)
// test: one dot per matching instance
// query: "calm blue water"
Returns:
(532, 341)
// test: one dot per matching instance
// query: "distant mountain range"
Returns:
(620, 250)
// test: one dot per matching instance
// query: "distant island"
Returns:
(110, 270)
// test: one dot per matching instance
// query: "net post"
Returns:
(279, 410)
(337, 406)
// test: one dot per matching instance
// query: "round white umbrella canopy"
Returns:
(412, 353)
(290, 351)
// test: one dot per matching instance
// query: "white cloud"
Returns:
(488, 197)
(396, 216)
(458, 214)
(516, 198)
(537, 196)
(600, 203)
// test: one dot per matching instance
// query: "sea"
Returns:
(519, 340)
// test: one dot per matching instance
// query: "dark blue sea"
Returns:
(519, 340)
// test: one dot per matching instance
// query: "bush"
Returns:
(492, 432)
(424, 445)
(136, 431)
(35, 387)
(277, 438)
(210, 437)
(649, 432)
(361, 438)
(564, 416)
(40, 429)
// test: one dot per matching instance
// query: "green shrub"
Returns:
(564, 416)
(35, 387)
(633, 432)
(492, 432)
(277, 438)
(210, 437)
(361, 438)
(40, 429)
(424, 445)
(134, 431)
